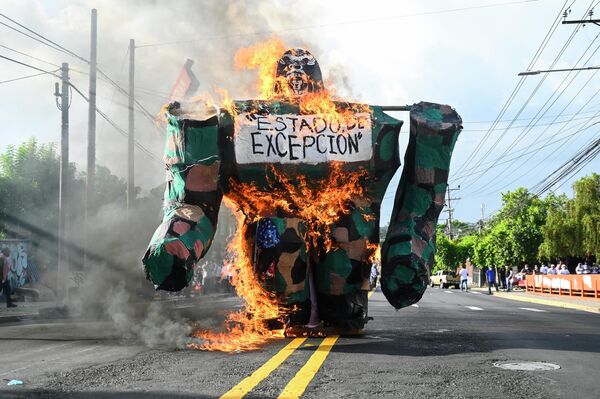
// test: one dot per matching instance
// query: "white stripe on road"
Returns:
(534, 310)
(448, 292)
(475, 292)
(473, 307)
(414, 305)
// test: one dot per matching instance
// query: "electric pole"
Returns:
(63, 206)
(90, 183)
(130, 137)
(449, 209)
(580, 21)
(481, 220)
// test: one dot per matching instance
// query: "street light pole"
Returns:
(527, 73)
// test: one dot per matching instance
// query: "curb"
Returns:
(549, 302)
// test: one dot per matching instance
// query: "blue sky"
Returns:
(464, 53)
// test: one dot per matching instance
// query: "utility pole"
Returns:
(63, 206)
(130, 137)
(580, 21)
(481, 220)
(449, 209)
(90, 183)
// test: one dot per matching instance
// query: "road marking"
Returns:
(449, 292)
(297, 385)
(535, 310)
(414, 305)
(475, 292)
(473, 307)
(248, 383)
(304, 376)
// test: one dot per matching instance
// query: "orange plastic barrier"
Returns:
(573, 285)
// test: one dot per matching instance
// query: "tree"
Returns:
(451, 253)
(515, 232)
(560, 229)
(572, 228)
(587, 213)
(29, 190)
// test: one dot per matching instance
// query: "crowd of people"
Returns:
(505, 278)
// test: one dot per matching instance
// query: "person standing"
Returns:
(490, 275)
(563, 270)
(509, 278)
(502, 277)
(374, 275)
(464, 274)
(5, 266)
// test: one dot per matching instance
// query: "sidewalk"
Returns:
(23, 311)
(187, 307)
(586, 305)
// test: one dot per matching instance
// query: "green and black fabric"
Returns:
(202, 166)
(407, 254)
(191, 203)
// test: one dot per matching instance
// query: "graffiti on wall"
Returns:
(17, 260)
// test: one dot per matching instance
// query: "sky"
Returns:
(465, 53)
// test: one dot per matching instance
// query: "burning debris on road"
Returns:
(305, 174)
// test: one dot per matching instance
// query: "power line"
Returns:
(117, 128)
(27, 65)
(517, 88)
(340, 23)
(102, 114)
(30, 56)
(27, 77)
(58, 46)
(54, 45)
(527, 101)
(533, 124)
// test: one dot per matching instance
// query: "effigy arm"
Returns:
(191, 203)
(407, 254)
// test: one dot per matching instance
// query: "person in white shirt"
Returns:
(552, 269)
(463, 278)
(544, 269)
(564, 270)
(585, 269)
(579, 269)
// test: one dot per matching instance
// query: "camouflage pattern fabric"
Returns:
(202, 166)
(191, 203)
(407, 254)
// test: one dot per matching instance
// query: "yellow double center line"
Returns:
(297, 385)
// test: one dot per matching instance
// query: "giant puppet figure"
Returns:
(259, 153)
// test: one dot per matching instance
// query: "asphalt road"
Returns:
(445, 347)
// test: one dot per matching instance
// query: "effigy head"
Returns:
(301, 72)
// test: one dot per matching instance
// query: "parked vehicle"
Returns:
(444, 279)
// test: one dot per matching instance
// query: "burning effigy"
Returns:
(306, 174)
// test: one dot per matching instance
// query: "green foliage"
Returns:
(515, 233)
(451, 253)
(573, 225)
(29, 193)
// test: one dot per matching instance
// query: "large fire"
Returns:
(318, 203)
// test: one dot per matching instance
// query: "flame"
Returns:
(264, 57)
(318, 203)
(247, 329)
